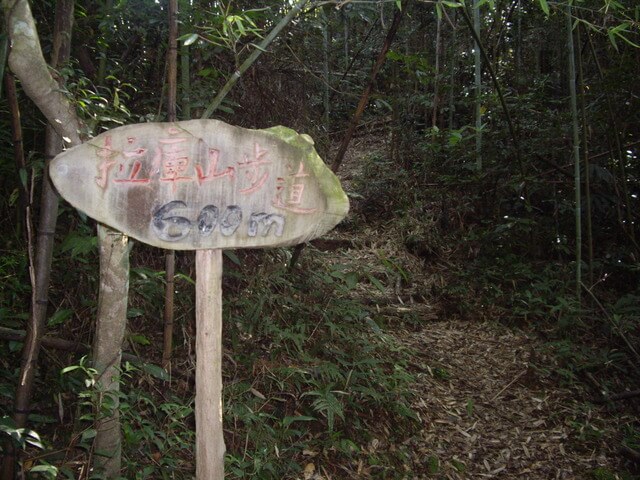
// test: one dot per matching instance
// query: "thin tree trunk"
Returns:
(325, 69)
(364, 98)
(170, 256)
(452, 75)
(477, 83)
(28, 64)
(185, 69)
(436, 75)
(107, 347)
(4, 50)
(9, 460)
(518, 44)
(503, 104)
(345, 25)
(576, 148)
(629, 227)
(46, 231)
(18, 151)
(585, 155)
(102, 61)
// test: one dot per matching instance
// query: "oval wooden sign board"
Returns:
(203, 184)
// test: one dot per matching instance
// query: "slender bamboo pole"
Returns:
(102, 61)
(477, 82)
(46, 230)
(364, 98)
(629, 227)
(576, 148)
(170, 256)
(585, 156)
(454, 66)
(215, 103)
(185, 67)
(503, 104)
(210, 447)
(436, 75)
(325, 69)
(18, 151)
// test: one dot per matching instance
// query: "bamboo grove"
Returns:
(510, 132)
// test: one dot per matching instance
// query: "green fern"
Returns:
(327, 404)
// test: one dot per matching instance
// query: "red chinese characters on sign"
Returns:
(172, 159)
(172, 163)
(212, 172)
(135, 158)
(255, 171)
(105, 153)
(290, 191)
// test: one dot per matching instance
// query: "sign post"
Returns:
(204, 185)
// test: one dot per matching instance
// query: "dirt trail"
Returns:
(489, 401)
(487, 412)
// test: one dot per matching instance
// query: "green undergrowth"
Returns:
(316, 380)
(309, 376)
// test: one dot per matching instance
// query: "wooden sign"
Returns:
(203, 184)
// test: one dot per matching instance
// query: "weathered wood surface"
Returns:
(203, 184)
(210, 446)
(107, 347)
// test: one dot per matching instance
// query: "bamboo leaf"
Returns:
(544, 6)
(88, 434)
(233, 257)
(287, 421)
(612, 39)
(155, 371)
(255, 45)
(188, 39)
(139, 339)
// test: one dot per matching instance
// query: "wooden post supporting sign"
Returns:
(204, 185)
(209, 441)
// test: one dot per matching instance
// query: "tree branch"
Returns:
(28, 64)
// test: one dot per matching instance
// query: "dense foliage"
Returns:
(308, 371)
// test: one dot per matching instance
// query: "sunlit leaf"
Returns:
(188, 39)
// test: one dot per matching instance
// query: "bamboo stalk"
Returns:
(576, 149)
(503, 104)
(585, 156)
(215, 103)
(364, 98)
(477, 82)
(629, 228)
(170, 256)
(41, 268)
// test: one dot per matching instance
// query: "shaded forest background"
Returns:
(473, 172)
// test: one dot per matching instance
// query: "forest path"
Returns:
(488, 412)
(490, 398)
